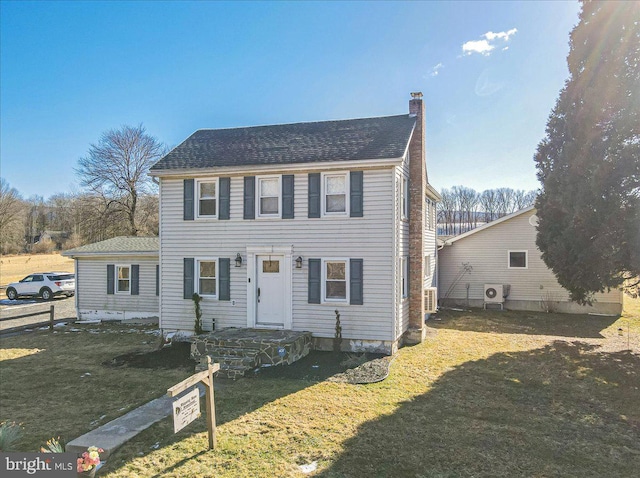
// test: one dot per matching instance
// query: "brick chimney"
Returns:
(417, 189)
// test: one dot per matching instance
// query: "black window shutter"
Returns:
(157, 279)
(135, 279)
(355, 279)
(111, 275)
(188, 202)
(315, 277)
(314, 195)
(188, 275)
(249, 197)
(225, 280)
(355, 202)
(225, 198)
(287, 196)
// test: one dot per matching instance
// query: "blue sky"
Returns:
(490, 73)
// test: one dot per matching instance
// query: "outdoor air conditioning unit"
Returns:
(430, 300)
(493, 294)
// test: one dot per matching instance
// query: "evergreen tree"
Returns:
(589, 161)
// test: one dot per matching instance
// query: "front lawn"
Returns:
(488, 394)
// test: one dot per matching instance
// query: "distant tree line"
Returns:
(463, 209)
(118, 199)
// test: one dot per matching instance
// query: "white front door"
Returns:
(270, 291)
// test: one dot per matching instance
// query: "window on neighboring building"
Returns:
(405, 276)
(269, 197)
(335, 280)
(207, 278)
(518, 260)
(335, 193)
(208, 198)
(123, 276)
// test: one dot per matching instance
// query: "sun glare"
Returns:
(11, 354)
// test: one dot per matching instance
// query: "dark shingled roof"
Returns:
(345, 140)
(118, 245)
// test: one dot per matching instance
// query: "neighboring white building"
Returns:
(504, 253)
(279, 227)
(117, 279)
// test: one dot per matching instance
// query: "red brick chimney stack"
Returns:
(417, 188)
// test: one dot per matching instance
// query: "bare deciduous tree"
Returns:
(11, 219)
(116, 169)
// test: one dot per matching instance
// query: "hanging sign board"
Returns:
(186, 409)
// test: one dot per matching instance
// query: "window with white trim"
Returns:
(269, 191)
(123, 279)
(334, 194)
(404, 197)
(518, 259)
(207, 271)
(334, 280)
(404, 263)
(207, 197)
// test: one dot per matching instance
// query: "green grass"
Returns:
(487, 394)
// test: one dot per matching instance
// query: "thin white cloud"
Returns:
(435, 71)
(488, 43)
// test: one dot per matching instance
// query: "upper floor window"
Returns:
(123, 279)
(207, 198)
(405, 276)
(518, 260)
(335, 194)
(404, 197)
(269, 196)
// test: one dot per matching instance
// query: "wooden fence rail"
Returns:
(51, 313)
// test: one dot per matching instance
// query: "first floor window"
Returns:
(518, 259)
(207, 198)
(335, 275)
(207, 282)
(269, 196)
(335, 193)
(123, 275)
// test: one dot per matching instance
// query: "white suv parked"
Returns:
(44, 284)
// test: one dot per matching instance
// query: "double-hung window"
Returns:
(123, 279)
(405, 276)
(335, 199)
(269, 196)
(518, 260)
(404, 197)
(207, 278)
(335, 273)
(207, 196)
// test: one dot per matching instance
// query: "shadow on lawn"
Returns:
(524, 322)
(563, 410)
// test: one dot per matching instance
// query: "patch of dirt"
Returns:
(336, 367)
(177, 356)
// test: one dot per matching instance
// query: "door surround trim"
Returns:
(252, 252)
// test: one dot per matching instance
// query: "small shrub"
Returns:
(43, 247)
(354, 360)
(197, 328)
(54, 445)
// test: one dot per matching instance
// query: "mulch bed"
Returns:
(316, 367)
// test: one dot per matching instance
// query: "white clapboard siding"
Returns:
(369, 238)
(91, 285)
(487, 253)
(402, 238)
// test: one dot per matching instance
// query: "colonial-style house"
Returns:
(287, 226)
(499, 265)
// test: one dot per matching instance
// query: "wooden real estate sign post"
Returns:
(206, 378)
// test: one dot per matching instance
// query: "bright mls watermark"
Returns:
(47, 465)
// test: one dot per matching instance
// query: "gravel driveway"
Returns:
(64, 308)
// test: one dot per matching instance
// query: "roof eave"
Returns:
(317, 165)
(75, 255)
